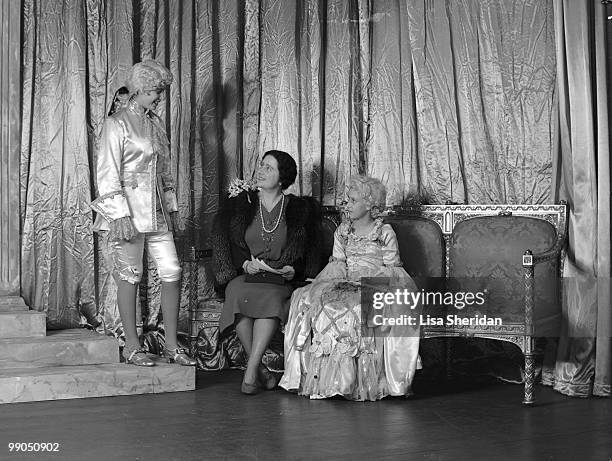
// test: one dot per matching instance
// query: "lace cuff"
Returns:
(111, 206)
(121, 229)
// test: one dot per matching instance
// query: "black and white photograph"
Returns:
(305, 229)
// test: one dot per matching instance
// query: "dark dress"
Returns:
(260, 300)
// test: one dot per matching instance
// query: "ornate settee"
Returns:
(513, 253)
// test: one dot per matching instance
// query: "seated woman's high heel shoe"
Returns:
(179, 355)
(138, 357)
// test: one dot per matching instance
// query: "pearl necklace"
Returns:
(280, 214)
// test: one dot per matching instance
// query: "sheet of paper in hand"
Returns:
(265, 266)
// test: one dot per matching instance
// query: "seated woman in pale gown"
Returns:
(329, 349)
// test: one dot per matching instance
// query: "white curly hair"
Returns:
(373, 192)
(148, 75)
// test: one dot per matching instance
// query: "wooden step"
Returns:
(58, 348)
(21, 324)
(83, 381)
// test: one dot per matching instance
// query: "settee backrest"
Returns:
(421, 245)
(485, 253)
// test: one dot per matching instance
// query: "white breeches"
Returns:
(126, 256)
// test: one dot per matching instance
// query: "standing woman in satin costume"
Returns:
(136, 206)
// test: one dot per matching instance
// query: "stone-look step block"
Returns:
(12, 303)
(84, 381)
(59, 348)
(21, 324)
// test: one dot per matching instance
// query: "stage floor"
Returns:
(476, 422)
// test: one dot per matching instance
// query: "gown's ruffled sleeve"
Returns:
(111, 202)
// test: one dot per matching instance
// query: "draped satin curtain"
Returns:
(450, 100)
(583, 361)
(57, 251)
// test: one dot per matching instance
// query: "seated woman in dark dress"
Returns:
(264, 244)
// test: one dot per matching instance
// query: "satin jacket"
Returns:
(133, 172)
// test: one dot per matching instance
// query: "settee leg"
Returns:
(529, 397)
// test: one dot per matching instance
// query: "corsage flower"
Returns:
(239, 185)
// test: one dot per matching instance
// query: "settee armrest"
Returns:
(529, 262)
(549, 255)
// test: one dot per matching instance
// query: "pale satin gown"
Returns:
(327, 349)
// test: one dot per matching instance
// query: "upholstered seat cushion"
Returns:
(490, 250)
